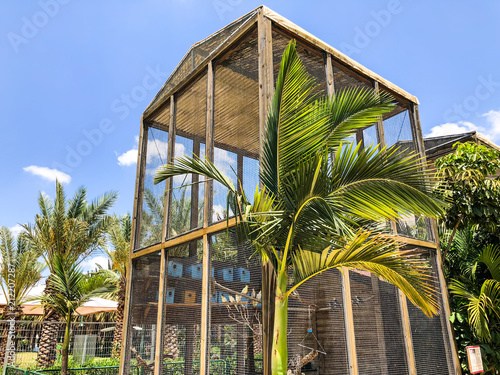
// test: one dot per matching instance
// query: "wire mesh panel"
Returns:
(430, 335)
(370, 136)
(343, 78)
(236, 334)
(182, 309)
(197, 54)
(144, 310)
(312, 58)
(317, 307)
(153, 197)
(236, 118)
(377, 326)
(190, 118)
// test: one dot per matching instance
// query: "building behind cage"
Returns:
(196, 298)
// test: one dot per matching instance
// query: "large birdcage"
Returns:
(197, 301)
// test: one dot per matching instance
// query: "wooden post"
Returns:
(207, 260)
(330, 84)
(126, 332)
(266, 89)
(195, 189)
(380, 123)
(405, 321)
(169, 183)
(349, 323)
(158, 370)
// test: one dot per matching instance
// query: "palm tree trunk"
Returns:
(65, 347)
(48, 337)
(117, 337)
(279, 358)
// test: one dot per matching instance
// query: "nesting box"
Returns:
(242, 274)
(195, 271)
(189, 296)
(170, 295)
(226, 274)
(174, 269)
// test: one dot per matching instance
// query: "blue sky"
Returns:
(75, 76)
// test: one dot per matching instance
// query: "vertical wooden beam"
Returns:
(158, 369)
(169, 183)
(126, 332)
(266, 89)
(195, 192)
(380, 122)
(349, 323)
(139, 186)
(330, 84)
(405, 320)
(207, 259)
(379, 324)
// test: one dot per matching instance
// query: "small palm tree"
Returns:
(483, 302)
(20, 270)
(320, 196)
(71, 289)
(71, 229)
(120, 234)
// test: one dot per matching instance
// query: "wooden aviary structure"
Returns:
(197, 302)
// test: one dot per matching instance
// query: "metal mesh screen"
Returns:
(144, 309)
(370, 136)
(344, 78)
(317, 306)
(429, 335)
(182, 309)
(235, 330)
(153, 197)
(398, 134)
(312, 59)
(377, 326)
(236, 118)
(197, 54)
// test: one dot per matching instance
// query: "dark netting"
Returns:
(182, 309)
(153, 200)
(312, 58)
(317, 306)
(343, 78)
(378, 331)
(197, 54)
(144, 310)
(429, 335)
(236, 117)
(235, 330)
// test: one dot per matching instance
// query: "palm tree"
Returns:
(71, 289)
(320, 197)
(20, 270)
(484, 302)
(71, 229)
(120, 234)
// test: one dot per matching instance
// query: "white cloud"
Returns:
(156, 150)
(224, 160)
(16, 230)
(48, 174)
(128, 158)
(451, 128)
(490, 130)
(92, 263)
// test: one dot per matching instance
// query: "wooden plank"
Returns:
(405, 321)
(349, 323)
(330, 84)
(380, 122)
(416, 242)
(190, 236)
(139, 185)
(169, 183)
(337, 55)
(266, 89)
(232, 39)
(124, 353)
(207, 259)
(158, 370)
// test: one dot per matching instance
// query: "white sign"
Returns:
(475, 360)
